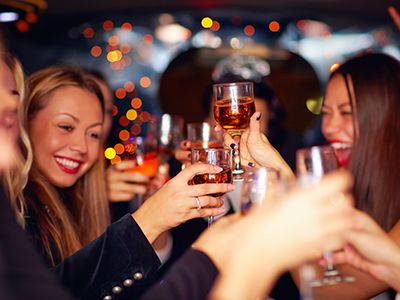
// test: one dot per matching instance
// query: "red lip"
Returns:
(339, 141)
(68, 170)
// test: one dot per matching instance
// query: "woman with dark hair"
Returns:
(360, 121)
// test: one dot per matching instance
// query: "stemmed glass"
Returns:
(214, 156)
(311, 165)
(233, 108)
(260, 186)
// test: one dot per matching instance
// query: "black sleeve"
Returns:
(114, 266)
(191, 277)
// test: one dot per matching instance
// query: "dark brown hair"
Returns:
(375, 157)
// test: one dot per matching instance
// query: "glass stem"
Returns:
(210, 220)
(237, 168)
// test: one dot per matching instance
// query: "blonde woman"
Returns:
(64, 205)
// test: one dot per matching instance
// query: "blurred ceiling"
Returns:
(340, 13)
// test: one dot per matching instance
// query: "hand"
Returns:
(371, 250)
(176, 202)
(123, 185)
(256, 149)
(395, 16)
(300, 227)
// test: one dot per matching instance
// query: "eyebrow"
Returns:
(77, 120)
(340, 105)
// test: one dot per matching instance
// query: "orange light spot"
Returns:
(125, 48)
(114, 110)
(215, 26)
(114, 56)
(31, 17)
(148, 39)
(135, 129)
(88, 32)
(22, 26)
(119, 148)
(136, 103)
(334, 67)
(301, 24)
(116, 160)
(123, 121)
(274, 26)
(129, 86)
(145, 82)
(145, 116)
(108, 25)
(249, 30)
(113, 40)
(96, 51)
(124, 135)
(127, 26)
(120, 93)
(127, 60)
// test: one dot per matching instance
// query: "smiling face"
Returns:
(65, 135)
(9, 128)
(337, 118)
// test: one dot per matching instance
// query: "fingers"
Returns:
(183, 155)
(128, 177)
(255, 125)
(125, 187)
(208, 202)
(192, 170)
(209, 188)
(206, 212)
(125, 164)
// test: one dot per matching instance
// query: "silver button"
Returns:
(108, 297)
(128, 282)
(117, 289)
(138, 276)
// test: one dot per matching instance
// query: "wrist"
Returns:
(146, 224)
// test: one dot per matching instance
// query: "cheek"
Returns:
(93, 152)
(349, 127)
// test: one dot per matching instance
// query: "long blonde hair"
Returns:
(70, 222)
(15, 181)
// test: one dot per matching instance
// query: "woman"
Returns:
(360, 121)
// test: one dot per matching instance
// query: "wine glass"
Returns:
(145, 157)
(233, 108)
(215, 156)
(169, 132)
(200, 135)
(260, 186)
(311, 165)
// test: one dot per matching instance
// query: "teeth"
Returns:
(338, 145)
(67, 163)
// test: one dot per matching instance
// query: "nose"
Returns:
(79, 143)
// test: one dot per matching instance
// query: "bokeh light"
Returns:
(123, 121)
(88, 32)
(116, 160)
(131, 114)
(314, 105)
(124, 135)
(206, 22)
(119, 148)
(215, 26)
(148, 39)
(114, 110)
(129, 86)
(31, 17)
(126, 26)
(96, 51)
(120, 93)
(334, 67)
(145, 116)
(22, 26)
(249, 30)
(274, 26)
(145, 82)
(125, 48)
(113, 40)
(114, 56)
(110, 153)
(108, 25)
(136, 103)
(135, 129)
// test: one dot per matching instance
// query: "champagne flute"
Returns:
(233, 108)
(216, 156)
(311, 165)
(260, 186)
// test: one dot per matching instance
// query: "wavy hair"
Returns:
(375, 155)
(66, 219)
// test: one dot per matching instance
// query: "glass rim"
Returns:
(211, 148)
(233, 83)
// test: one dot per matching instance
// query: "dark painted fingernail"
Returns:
(251, 165)
(189, 155)
(258, 117)
(233, 152)
(185, 144)
(233, 145)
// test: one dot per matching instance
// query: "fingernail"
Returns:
(185, 144)
(189, 155)
(258, 117)
(217, 168)
(251, 165)
(220, 210)
(233, 145)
